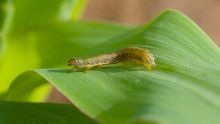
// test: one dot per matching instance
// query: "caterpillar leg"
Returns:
(75, 68)
(80, 69)
(97, 67)
(93, 67)
(86, 69)
(147, 66)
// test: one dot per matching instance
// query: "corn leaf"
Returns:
(183, 89)
(37, 37)
(41, 113)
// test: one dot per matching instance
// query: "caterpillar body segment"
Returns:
(137, 55)
(130, 54)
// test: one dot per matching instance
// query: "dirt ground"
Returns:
(206, 13)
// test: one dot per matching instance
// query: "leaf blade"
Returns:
(182, 89)
(43, 113)
(52, 39)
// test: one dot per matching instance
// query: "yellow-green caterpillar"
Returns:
(130, 54)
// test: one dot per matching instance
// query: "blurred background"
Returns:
(206, 13)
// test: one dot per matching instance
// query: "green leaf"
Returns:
(20, 32)
(33, 39)
(5, 17)
(42, 12)
(30, 113)
(183, 89)
(78, 9)
(45, 46)
(25, 91)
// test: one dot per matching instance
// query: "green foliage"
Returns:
(28, 113)
(182, 89)
(34, 36)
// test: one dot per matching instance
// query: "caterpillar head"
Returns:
(75, 62)
(150, 60)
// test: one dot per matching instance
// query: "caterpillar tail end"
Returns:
(149, 66)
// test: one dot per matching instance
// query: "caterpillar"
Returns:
(131, 54)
